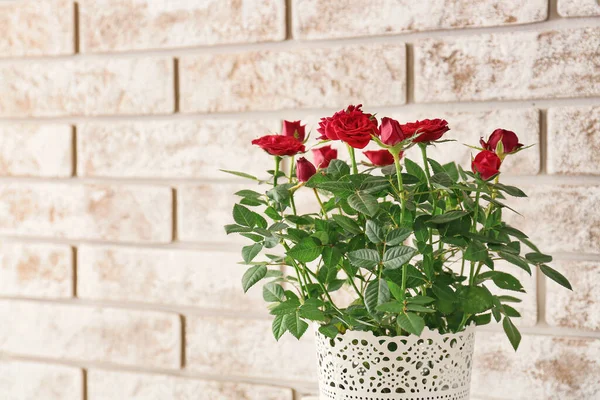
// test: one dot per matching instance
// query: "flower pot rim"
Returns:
(427, 333)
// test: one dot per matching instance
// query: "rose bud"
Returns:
(352, 126)
(294, 129)
(304, 169)
(279, 145)
(509, 139)
(427, 130)
(390, 131)
(380, 158)
(323, 156)
(487, 163)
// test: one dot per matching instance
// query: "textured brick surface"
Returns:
(309, 78)
(319, 19)
(218, 345)
(33, 28)
(574, 140)
(36, 150)
(559, 218)
(205, 279)
(104, 212)
(117, 25)
(33, 381)
(543, 368)
(523, 65)
(36, 270)
(578, 8)
(579, 309)
(106, 385)
(143, 338)
(90, 87)
(172, 149)
(203, 210)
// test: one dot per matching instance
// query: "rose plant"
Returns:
(416, 244)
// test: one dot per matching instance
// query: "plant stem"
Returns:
(474, 230)
(353, 159)
(320, 203)
(276, 174)
(291, 168)
(295, 265)
(423, 147)
(400, 183)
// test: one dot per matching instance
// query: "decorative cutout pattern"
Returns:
(362, 366)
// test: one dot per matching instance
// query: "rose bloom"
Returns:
(294, 129)
(323, 156)
(352, 126)
(391, 132)
(509, 139)
(304, 169)
(487, 163)
(427, 130)
(279, 145)
(380, 158)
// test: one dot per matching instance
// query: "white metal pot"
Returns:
(362, 366)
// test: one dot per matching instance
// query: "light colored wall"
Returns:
(116, 279)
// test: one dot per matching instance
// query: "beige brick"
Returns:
(117, 25)
(580, 308)
(321, 19)
(205, 279)
(88, 87)
(243, 347)
(34, 28)
(86, 211)
(272, 80)
(203, 210)
(186, 149)
(36, 150)
(559, 218)
(83, 333)
(573, 140)
(578, 8)
(106, 385)
(520, 65)
(544, 368)
(33, 381)
(36, 270)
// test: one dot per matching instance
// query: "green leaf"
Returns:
(475, 299)
(516, 260)
(512, 332)
(240, 174)
(420, 300)
(509, 311)
(374, 232)
(243, 216)
(273, 292)
(310, 310)
(483, 319)
(278, 327)
(305, 251)
(253, 275)
(397, 236)
(538, 258)
(249, 252)
(376, 293)
(555, 276)
(502, 280)
(398, 256)
(447, 217)
(512, 190)
(391, 307)
(329, 330)
(411, 322)
(338, 168)
(419, 308)
(509, 299)
(271, 213)
(295, 325)
(414, 169)
(251, 194)
(233, 228)
(364, 203)
(476, 251)
(396, 290)
(347, 224)
(444, 293)
(287, 307)
(364, 258)
(331, 256)
(452, 170)
(442, 180)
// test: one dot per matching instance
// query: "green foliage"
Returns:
(417, 249)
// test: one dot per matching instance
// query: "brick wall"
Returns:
(116, 279)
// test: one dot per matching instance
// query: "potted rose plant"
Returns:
(417, 244)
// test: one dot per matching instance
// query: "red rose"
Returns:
(509, 139)
(294, 129)
(304, 169)
(427, 130)
(323, 156)
(279, 145)
(380, 158)
(352, 126)
(391, 132)
(487, 163)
